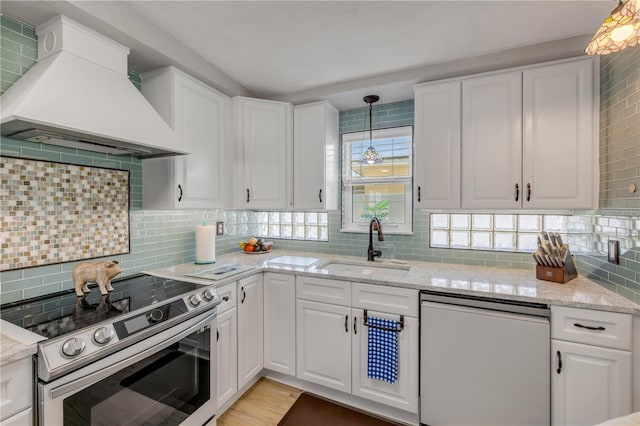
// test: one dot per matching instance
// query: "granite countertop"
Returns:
(501, 283)
(16, 343)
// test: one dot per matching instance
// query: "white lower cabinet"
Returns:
(324, 344)
(593, 384)
(332, 340)
(23, 418)
(403, 393)
(590, 383)
(280, 323)
(16, 387)
(227, 363)
(250, 328)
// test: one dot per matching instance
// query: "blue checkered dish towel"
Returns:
(383, 350)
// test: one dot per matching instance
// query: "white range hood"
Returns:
(78, 95)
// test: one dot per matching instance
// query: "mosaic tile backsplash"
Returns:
(54, 212)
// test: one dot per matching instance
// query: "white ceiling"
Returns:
(319, 48)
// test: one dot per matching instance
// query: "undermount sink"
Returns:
(369, 269)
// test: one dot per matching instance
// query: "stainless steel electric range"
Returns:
(143, 354)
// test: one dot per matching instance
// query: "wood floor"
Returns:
(263, 405)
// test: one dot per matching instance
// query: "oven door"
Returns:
(167, 379)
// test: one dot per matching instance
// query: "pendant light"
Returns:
(370, 156)
(621, 29)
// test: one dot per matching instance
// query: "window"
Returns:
(496, 232)
(383, 190)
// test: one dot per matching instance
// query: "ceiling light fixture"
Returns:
(621, 29)
(370, 156)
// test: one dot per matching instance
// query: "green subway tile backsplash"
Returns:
(393, 114)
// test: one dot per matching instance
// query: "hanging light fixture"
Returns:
(621, 29)
(370, 156)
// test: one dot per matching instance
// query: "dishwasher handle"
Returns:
(481, 302)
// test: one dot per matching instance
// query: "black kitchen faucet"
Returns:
(371, 253)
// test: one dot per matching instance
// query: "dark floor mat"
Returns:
(310, 410)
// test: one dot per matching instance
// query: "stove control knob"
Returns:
(195, 300)
(72, 347)
(155, 315)
(102, 336)
(209, 294)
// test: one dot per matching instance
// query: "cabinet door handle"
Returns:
(320, 195)
(588, 327)
(346, 323)
(180, 192)
(355, 325)
(419, 194)
(243, 294)
(247, 195)
(559, 355)
(528, 192)
(217, 335)
(517, 191)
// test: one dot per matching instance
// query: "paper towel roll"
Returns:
(205, 244)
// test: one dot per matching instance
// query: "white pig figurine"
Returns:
(95, 272)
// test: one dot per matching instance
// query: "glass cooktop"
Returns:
(61, 313)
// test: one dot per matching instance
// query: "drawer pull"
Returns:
(559, 355)
(588, 327)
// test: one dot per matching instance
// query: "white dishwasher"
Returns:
(483, 361)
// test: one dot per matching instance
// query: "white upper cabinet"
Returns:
(529, 138)
(315, 156)
(559, 140)
(492, 141)
(437, 145)
(199, 115)
(263, 163)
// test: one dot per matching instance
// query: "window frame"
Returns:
(348, 181)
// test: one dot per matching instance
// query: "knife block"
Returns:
(557, 274)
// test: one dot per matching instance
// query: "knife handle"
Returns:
(517, 191)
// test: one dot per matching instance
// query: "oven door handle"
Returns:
(106, 372)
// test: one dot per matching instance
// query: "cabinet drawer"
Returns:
(393, 300)
(608, 329)
(16, 383)
(323, 290)
(228, 295)
(23, 418)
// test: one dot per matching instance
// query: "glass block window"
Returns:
(381, 189)
(498, 232)
(308, 226)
